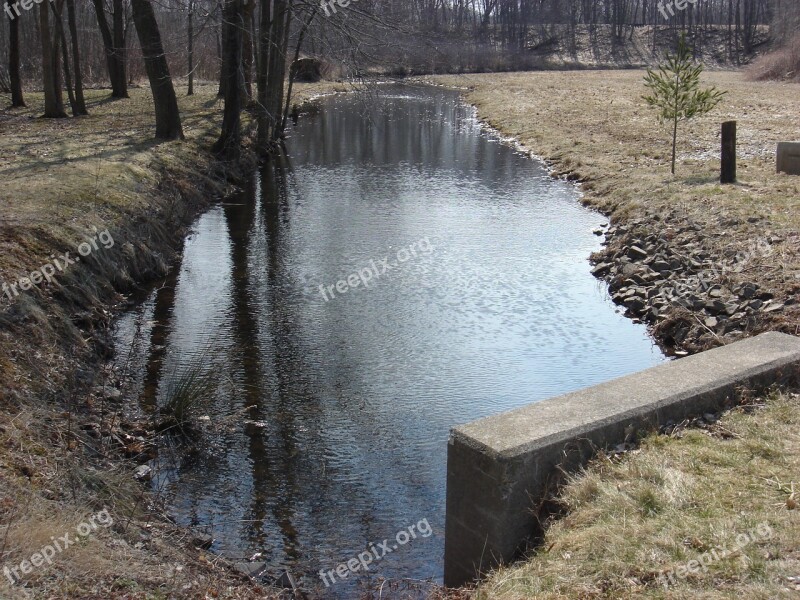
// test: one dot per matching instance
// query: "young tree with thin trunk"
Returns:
(80, 107)
(190, 39)
(262, 117)
(248, 10)
(17, 98)
(58, 23)
(675, 91)
(168, 118)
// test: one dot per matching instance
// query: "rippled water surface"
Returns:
(330, 424)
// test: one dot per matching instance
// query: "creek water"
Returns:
(328, 430)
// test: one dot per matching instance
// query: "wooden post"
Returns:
(728, 155)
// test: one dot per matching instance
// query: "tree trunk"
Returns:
(76, 60)
(114, 61)
(276, 65)
(299, 45)
(229, 143)
(51, 71)
(190, 59)
(168, 118)
(118, 23)
(13, 60)
(247, 47)
(674, 143)
(223, 75)
(58, 8)
(262, 73)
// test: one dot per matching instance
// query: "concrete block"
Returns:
(789, 158)
(499, 469)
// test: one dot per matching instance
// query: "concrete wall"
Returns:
(788, 158)
(500, 468)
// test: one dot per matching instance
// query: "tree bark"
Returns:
(51, 72)
(17, 98)
(76, 60)
(229, 143)
(168, 118)
(58, 8)
(223, 75)
(190, 58)
(247, 47)
(114, 61)
(118, 22)
(262, 73)
(276, 65)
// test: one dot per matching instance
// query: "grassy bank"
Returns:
(68, 441)
(703, 512)
(594, 127)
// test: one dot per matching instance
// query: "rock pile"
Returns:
(693, 297)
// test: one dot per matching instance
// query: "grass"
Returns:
(633, 521)
(189, 390)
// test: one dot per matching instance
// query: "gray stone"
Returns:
(748, 290)
(715, 307)
(788, 158)
(501, 467)
(635, 304)
(601, 269)
(143, 473)
(251, 569)
(660, 265)
(636, 253)
(773, 307)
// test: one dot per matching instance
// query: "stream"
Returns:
(401, 271)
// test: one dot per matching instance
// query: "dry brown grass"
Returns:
(675, 499)
(781, 65)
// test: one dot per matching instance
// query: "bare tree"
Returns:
(13, 59)
(190, 52)
(80, 106)
(168, 118)
(115, 55)
(51, 71)
(229, 142)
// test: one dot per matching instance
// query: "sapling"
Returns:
(675, 91)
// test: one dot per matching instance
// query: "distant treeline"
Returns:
(405, 36)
